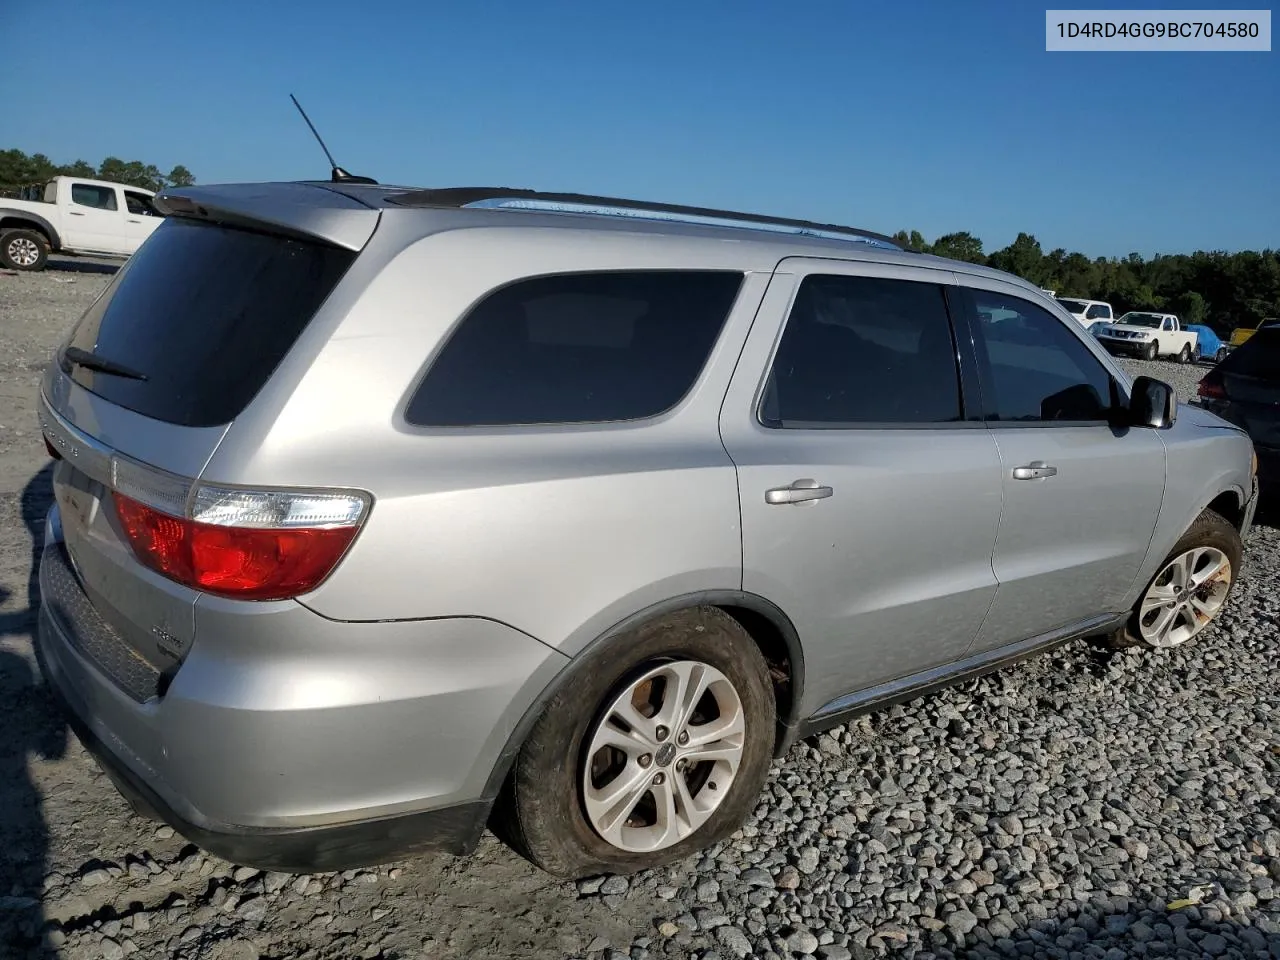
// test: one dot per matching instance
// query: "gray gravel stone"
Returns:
(733, 941)
(802, 941)
(961, 922)
(788, 878)
(707, 891)
(253, 910)
(614, 886)
(95, 878)
(808, 860)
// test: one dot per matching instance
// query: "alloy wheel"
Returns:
(663, 756)
(23, 252)
(1185, 597)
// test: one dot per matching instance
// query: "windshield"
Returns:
(1152, 320)
(1073, 306)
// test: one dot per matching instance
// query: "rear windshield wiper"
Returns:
(91, 361)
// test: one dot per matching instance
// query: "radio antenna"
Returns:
(337, 174)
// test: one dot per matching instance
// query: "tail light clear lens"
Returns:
(245, 544)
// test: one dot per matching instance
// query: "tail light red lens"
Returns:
(1211, 389)
(243, 562)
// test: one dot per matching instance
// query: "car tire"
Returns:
(1220, 355)
(555, 808)
(1152, 351)
(26, 250)
(1215, 544)
(1184, 355)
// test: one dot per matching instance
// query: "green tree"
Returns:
(180, 176)
(911, 241)
(1189, 306)
(1023, 257)
(960, 246)
(80, 168)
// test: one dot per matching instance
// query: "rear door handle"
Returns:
(1035, 470)
(75, 213)
(801, 491)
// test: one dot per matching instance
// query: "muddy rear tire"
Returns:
(609, 779)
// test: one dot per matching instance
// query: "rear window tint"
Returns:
(206, 313)
(577, 348)
(1259, 356)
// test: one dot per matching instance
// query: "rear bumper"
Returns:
(453, 829)
(290, 742)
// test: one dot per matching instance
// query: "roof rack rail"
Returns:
(503, 198)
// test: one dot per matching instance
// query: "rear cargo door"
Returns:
(154, 372)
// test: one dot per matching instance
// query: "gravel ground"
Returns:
(1061, 808)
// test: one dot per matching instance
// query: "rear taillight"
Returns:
(1211, 388)
(245, 544)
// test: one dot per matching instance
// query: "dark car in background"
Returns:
(1245, 390)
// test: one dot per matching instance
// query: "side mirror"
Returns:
(1153, 403)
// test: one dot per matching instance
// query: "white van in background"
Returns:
(1087, 312)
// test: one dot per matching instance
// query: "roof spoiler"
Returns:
(304, 210)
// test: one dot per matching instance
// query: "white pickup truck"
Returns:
(74, 216)
(1148, 335)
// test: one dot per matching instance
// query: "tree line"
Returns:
(18, 169)
(1221, 290)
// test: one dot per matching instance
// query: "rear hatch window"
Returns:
(1259, 356)
(201, 316)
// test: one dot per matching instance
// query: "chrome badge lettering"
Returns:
(168, 642)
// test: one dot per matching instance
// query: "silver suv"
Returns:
(384, 514)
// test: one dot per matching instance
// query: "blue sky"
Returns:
(888, 115)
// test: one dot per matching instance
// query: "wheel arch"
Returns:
(1229, 504)
(1228, 499)
(767, 625)
(11, 219)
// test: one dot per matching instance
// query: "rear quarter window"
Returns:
(205, 313)
(577, 348)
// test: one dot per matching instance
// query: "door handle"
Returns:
(75, 213)
(801, 491)
(1035, 470)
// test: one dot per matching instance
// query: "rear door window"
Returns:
(577, 348)
(864, 350)
(92, 195)
(205, 313)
